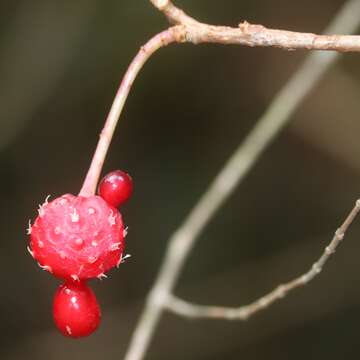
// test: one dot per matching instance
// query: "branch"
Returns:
(254, 35)
(236, 168)
(190, 30)
(187, 309)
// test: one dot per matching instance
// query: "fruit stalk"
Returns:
(162, 39)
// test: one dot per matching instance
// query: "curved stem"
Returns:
(173, 34)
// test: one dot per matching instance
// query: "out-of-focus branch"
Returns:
(237, 167)
(254, 35)
(187, 309)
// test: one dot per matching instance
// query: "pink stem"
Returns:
(162, 39)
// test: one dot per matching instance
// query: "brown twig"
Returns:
(255, 35)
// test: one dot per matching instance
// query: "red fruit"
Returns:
(77, 237)
(75, 310)
(116, 187)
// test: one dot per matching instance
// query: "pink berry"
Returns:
(116, 187)
(77, 238)
(75, 310)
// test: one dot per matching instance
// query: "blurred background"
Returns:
(60, 65)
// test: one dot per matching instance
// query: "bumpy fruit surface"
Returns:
(77, 238)
(75, 310)
(116, 187)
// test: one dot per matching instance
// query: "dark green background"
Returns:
(60, 65)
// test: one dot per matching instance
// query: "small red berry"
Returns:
(77, 238)
(75, 309)
(116, 187)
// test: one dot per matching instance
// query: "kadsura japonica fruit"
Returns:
(77, 238)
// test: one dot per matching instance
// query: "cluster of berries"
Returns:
(78, 238)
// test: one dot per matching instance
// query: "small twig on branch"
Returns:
(190, 310)
(236, 168)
